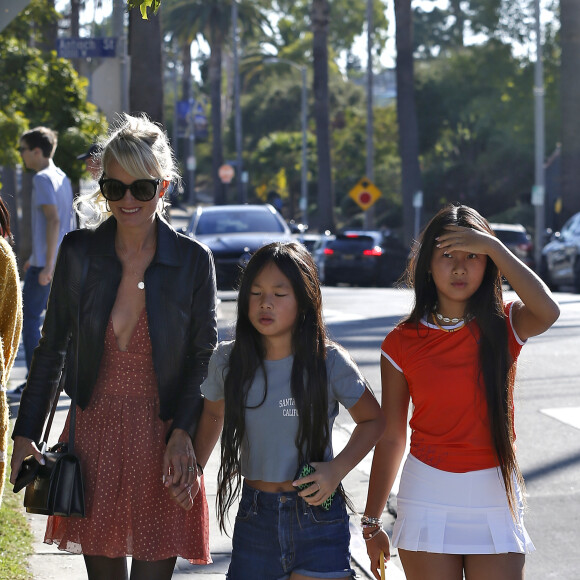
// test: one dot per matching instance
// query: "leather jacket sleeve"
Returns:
(48, 359)
(202, 341)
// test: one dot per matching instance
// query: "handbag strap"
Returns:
(73, 401)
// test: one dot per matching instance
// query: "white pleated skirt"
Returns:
(457, 513)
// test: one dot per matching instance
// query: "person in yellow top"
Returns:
(10, 327)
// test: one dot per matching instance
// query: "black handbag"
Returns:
(56, 488)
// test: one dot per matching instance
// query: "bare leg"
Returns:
(103, 568)
(497, 566)
(429, 566)
(159, 570)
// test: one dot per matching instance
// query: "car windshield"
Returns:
(237, 222)
(352, 244)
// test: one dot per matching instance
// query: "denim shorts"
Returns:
(276, 534)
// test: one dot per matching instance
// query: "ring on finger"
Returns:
(191, 468)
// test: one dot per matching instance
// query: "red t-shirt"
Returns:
(449, 424)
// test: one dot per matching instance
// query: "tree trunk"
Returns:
(320, 21)
(570, 97)
(50, 30)
(458, 31)
(146, 82)
(407, 114)
(75, 7)
(215, 81)
(186, 78)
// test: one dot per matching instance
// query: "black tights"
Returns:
(103, 568)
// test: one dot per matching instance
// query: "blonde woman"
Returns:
(147, 329)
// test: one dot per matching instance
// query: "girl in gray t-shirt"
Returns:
(275, 391)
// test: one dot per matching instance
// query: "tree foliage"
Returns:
(474, 105)
(38, 88)
(476, 123)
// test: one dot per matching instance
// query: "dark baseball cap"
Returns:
(92, 150)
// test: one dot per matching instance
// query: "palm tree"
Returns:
(407, 113)
(570, 94)
(211, 19)
(320, 20)
(146, 82)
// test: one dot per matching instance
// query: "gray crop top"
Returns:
(268, 452)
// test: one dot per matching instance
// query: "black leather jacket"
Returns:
(181, 301)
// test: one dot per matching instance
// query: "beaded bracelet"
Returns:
(371, 536)
(367, 520)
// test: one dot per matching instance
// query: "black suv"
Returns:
(233, 233)
(366, 258)
(517, 240)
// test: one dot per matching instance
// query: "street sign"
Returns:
(73, 47)
(226, 173)
(418, 200)
(538, 195)
(364, 193)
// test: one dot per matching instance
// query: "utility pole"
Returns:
(538, 192)
(304, 117)
(369, 213)
(237, 110)
(119, 33)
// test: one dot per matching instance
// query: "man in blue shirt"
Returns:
(52, 218)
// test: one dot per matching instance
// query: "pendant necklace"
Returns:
(132, 271)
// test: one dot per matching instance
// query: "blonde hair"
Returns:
(142, 149)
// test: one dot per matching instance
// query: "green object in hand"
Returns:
(307, 469)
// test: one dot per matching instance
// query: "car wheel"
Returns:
(384, 280)
(577, 274)
(545, 274)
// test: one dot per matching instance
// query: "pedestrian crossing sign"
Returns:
(364, 193)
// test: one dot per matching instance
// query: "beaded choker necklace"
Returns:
(438, 318)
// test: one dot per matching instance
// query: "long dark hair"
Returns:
(4, 220)
(308, 379)
(496, 366)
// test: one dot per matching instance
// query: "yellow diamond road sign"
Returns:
(365, 193)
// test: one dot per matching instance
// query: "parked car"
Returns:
(318, 252)
(517, 240)
(233, 233)
(364, 258)
(560, 261)
(307, 240)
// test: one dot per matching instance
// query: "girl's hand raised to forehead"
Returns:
(466, 240)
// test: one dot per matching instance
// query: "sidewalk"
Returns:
(48, 563)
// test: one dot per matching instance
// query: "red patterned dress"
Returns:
(120, 440)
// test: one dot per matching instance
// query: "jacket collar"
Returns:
(103, 242)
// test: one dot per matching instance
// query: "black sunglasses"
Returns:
(141, 189)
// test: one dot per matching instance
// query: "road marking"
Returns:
(340, 315)
(568, 415)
